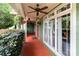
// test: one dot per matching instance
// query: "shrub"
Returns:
(11, 43)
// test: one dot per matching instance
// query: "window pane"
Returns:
(66, 34)
(53, 34)
(50, 27)
(45, 33)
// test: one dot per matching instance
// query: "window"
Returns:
(49, 29)
(57, 31)
(66, 34)
(63, 8)
(45, 33)
(49, 33)
(53, 33)
(63, 35)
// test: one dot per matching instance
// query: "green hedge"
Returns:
(11, 43)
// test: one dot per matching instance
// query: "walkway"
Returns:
(34, 47)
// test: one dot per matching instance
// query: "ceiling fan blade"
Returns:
(31, 7)
(31, 12)
(44, 8)
(43, 12)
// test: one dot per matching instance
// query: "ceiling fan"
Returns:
(38, 10)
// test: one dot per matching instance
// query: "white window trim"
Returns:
(59, 35)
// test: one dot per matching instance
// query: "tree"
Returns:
(6, 19)
(5, 8)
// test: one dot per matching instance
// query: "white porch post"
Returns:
(21, 26)
(25, 29)
(73, 30)
(17, 26)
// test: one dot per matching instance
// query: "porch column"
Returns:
(73, 30)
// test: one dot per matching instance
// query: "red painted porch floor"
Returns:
(34, 47)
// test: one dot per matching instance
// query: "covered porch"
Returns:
(48, 27)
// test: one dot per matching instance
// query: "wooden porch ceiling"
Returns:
(22, 9)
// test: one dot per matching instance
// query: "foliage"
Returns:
(65, 22)
(11, 43)
(6, 19)
(18, 19)
(5, 8)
